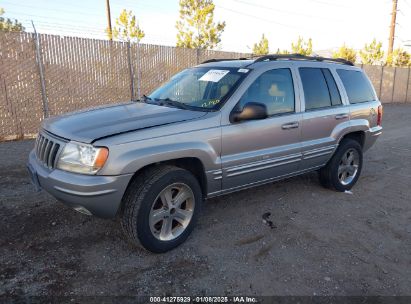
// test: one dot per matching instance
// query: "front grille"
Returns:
(47, 149)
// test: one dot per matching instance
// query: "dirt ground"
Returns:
(322, 242)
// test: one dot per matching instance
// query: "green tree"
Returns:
(126, 28)
(372, 53)
(399, 58)
(302, 47)
(261, 48)
(196, 27)
(9, 25)
(347, 53)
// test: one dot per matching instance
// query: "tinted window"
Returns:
(273, 88)
(315, 88)
(356, 85)
(332, 87)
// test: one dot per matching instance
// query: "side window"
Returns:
(316, 93)
(356, 85)
(332, 87)
(273, 88)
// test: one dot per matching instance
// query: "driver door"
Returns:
(256, 151)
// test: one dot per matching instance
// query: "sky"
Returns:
(330, 23)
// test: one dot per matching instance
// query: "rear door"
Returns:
(323, 110)
(259, 150)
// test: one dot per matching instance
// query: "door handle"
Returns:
(341, 116)
(291, 125)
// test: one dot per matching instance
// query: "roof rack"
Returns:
(302, 57)
(226, 59)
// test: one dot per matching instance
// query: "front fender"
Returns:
(130, 158)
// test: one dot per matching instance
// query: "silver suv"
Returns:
(219, 127)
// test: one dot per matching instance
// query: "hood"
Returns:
(91, 124)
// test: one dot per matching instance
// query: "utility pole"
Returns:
(392, 26)
(109, 20)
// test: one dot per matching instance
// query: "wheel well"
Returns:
(192, 164)
(358, 136)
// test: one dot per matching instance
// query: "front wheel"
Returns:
(344, 168)
(160, 208)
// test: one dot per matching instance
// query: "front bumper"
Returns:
(92, 194)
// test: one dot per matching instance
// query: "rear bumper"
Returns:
(91, 194)
(371, 137)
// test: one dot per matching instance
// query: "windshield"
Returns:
(205, 88)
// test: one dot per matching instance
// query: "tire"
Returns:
(144, 211)
(341, 173)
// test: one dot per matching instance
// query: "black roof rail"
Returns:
(302, 57)
(226, 59)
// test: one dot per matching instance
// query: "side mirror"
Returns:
(251, 111)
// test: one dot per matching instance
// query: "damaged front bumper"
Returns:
(90, 194)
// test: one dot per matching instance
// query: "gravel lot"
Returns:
(321, 243)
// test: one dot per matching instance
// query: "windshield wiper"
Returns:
(145, 98)
(174, 103)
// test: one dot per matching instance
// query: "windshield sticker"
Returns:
(243, 70)
(214, 75)
(210, 103)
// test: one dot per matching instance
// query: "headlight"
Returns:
(82, 158)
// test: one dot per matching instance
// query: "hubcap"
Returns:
(348, 167)
(172, 211)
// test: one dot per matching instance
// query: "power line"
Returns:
(53, 9)
(330, 4)
(287, 12)
(274, 22)
(136, 4)
(64, 25)
(68, 30)
(255, 17)
(406, 2)
(40, 16)
(59, 4)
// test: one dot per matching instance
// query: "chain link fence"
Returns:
(45, 75)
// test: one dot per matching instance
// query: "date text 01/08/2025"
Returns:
(204, 299)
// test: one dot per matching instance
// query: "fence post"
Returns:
(138, 70)
(393, 84)
(41, 72)
(408, 84)
(198, 55)
(381, 80)
(130, 67)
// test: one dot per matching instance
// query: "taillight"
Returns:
(379, 115)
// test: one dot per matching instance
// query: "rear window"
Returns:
(357, 86)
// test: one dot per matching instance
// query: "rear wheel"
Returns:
(343, 170)
(160, 208)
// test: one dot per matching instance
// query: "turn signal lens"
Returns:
(379, 115)
(101, 158)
